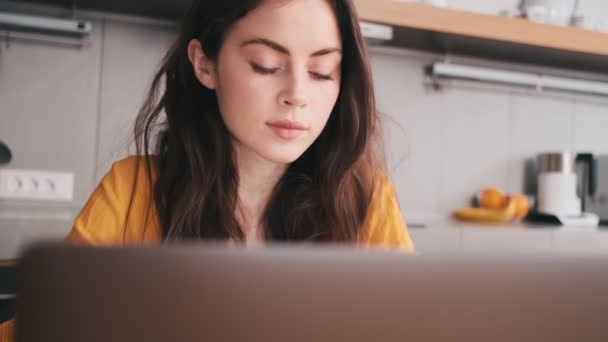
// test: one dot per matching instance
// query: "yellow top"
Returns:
(104, 221)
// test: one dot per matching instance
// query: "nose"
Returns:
(294, 92)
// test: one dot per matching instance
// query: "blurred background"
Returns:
(463, 85)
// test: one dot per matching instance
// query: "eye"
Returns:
(322, 77)
(262, 70)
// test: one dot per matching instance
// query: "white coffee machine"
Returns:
(560, 187)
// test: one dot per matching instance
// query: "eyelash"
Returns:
(269, 71)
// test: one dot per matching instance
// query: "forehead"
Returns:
(300, 25)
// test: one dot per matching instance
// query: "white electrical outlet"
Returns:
(36, 185)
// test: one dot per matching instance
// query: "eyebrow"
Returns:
(281, 49)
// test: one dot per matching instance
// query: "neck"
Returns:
(257, 179)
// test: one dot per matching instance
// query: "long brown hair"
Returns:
(324, 194)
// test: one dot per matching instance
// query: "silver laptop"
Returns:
(207, 292)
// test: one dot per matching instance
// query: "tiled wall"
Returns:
(48, 106)
(132, 55)
(445, 145)
(71, 109)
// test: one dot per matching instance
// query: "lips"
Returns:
(287, 129)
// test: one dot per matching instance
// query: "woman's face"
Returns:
(277, 77)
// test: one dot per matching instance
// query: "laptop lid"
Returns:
(207, 292)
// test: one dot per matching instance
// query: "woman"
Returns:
(258, 127)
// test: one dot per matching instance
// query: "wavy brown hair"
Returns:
(179, 132)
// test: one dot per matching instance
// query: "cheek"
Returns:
(324, 99)
(244, 99)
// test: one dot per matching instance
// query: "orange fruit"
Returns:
(493, 198)
(521, 205)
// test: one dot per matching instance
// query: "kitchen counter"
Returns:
(22, 226)
(449, 235)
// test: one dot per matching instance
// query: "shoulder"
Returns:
(126, 163)
(384, 199)
(131, 171)
(384, 225)
(126, 179)
(7, 331)
(130, 167)
(383, 186)
(118, 209)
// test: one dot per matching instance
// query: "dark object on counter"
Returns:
(545, 219)
(589, 179)
(551, 220)
(5, 154)
(7, 291)
(597, 202)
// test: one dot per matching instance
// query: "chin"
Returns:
(283, 158)
(282, 155)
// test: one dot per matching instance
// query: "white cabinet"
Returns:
(454, 237)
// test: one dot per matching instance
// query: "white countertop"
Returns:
(450, 235)
(20, 226)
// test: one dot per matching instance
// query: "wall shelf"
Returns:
(423, 27)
